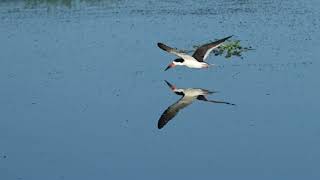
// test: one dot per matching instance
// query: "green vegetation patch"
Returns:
(228, 49)
(231, 48)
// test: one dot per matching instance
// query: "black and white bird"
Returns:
(188, 96)
(197, 60)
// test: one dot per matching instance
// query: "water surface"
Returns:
(82, 89)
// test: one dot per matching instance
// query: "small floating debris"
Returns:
(235, 74)
(3, 156)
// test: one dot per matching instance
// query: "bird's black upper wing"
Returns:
(203, 51)
(173, 51)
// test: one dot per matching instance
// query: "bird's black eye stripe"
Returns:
(179, 93)
(179, 60)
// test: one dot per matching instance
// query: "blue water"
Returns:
(82, 89)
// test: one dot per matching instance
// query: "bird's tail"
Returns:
(212, 92)
(203, 98)
(221, 102)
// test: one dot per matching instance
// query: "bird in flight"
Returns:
(197, 60)
(188, 96)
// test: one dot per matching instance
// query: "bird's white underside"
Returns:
(192, 92)
(190, 61)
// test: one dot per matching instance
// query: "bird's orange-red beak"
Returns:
(172, 87)
(170, 66)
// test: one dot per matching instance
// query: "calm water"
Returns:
(82, 89)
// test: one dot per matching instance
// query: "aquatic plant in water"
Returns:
(228, 49)
(231, 48)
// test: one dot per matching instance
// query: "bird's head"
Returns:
(176, 62)
(175, 89)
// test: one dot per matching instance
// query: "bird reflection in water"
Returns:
(188, 96)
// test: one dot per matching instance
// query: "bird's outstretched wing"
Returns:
(173, 51)
(203, 51)
(173, 110)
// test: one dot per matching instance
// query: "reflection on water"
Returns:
(69, 4)
(35, 3)
(188, 96)
(66, 3)
(82, 90)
